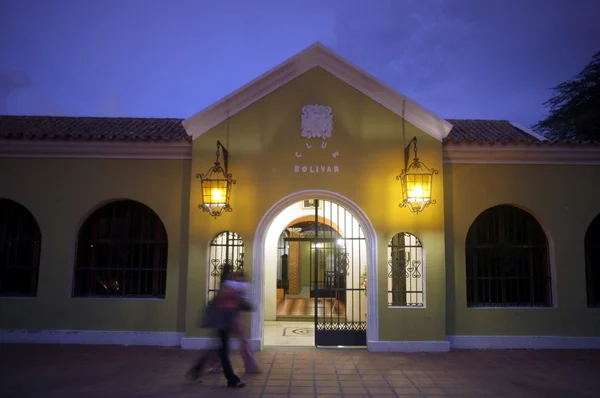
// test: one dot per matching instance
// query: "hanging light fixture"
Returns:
(216, 186)
(416, 180)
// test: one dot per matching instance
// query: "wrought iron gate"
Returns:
(338, 277)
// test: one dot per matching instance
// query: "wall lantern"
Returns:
(416, 180)
(216, 186)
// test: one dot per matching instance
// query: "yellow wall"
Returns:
(61, 193)
(564, 199)
(262, 142)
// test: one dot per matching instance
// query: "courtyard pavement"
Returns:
(121, 372)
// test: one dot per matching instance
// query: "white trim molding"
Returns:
(409, 346)
(95, 149)
(258, 276)
(165, 339)
(317, 55)
(521, 154)
(203, 343)
(528, 131)
(524, 342)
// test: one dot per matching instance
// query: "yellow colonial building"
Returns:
(353, 211)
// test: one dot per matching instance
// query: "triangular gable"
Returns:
(313, 56)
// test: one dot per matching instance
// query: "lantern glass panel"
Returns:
(416, 190)
(215, 192)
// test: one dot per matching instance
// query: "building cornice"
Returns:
(453, 153)
(95, 149)
(521, 154)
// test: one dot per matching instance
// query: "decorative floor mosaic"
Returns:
(274, 334)
(298, 332)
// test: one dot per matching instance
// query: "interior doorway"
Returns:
(315, 277)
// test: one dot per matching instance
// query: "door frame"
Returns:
(257, 318)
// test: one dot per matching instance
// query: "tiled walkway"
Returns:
(120, 372)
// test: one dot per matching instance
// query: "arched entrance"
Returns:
(327, 330)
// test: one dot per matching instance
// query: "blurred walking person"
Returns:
(221, 315)
(239, 282)
(250, 363)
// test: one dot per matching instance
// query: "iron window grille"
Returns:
(507, 260)
(226, 254)
(405, 271)
(122, 252)
(20, 247)
(592, 263)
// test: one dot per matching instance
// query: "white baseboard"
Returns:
(409, 346)
(174, 339)
(524, 342)
(90, 337)
(203, 343)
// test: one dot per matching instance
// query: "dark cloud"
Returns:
(111, 106)
(18, 95)
(47, 107)
(412, 40)
(10, 81)
(471, 58)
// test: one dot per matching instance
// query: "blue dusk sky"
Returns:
(479, 59)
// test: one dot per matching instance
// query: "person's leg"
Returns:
(250, 364)
(232, 379)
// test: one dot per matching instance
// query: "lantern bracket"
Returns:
(220, 148)
(412, 142)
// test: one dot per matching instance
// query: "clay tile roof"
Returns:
(487, 131)
(91, 128)
(170, 129)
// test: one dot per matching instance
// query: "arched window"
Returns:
(507, 260)
(121, 252)
(592, 263)
(405, 271)
(226, 253)
(20, 246)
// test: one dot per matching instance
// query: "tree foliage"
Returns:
(575, 107)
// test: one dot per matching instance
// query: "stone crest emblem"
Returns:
(317, 121)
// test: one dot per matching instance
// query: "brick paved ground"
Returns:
(113, 371)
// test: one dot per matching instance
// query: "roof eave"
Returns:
(528, 131)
